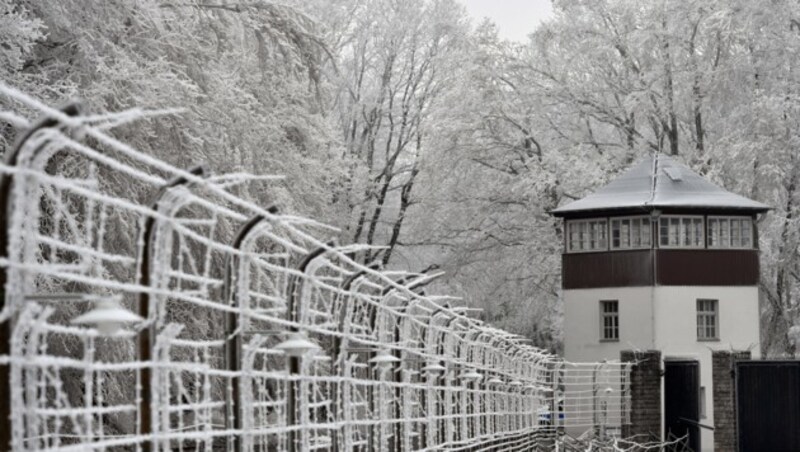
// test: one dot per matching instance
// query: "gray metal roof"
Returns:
(658, 181)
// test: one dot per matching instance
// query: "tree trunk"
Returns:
(405, 202)
(672, 127)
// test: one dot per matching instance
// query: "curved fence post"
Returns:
(449, 427)
(147, 334)
(517, 389)
(496, 424)
(395, 444)
(339, 355)
(401, 428)
(435, 409)
(293, 390)
(404, 395)
(477, 413)
(233, 333)
(12, 159)
(378, 432)
(340, 343)
(466, 386)
(233, 337)
(482, 423)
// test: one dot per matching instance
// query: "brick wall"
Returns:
(645, 394)
(724, 398)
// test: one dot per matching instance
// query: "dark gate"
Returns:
(768, 405)
(682, 401)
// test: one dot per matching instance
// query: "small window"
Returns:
(707, 320)
(586, 235)
(730, 232)
(630, 233)
(609, 320)
(681, 232)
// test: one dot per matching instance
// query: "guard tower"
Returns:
(662, 259)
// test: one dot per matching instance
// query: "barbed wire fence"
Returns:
(148, 307)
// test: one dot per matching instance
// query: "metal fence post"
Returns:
(396, 444)
(12, 159)
(295, 310)
(433, 430)
(340, 343)
(485, 419)
(449, 427)
(463, 352)
(233, 334)
(339, 352)
(147, 334)
(497, 397)
(476, 395)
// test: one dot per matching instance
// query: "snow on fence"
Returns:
(148, 307)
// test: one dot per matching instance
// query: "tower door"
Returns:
(682, 401)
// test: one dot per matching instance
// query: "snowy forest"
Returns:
(412, 127)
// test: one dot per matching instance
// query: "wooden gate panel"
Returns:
(768, 405)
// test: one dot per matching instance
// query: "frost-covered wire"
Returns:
(219, 309)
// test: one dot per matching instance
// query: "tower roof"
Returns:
(659, 182)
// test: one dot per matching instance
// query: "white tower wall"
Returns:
(663, 318)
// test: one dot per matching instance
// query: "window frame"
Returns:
(705, 314)
(611, 221)
(614, 315)
(681, 218)
(588, 222)
(728, 218)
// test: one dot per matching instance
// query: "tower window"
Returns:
(587, 235)
(730, 232)
(707, 320)
(630, 233)
(681, 232)
(609, 320)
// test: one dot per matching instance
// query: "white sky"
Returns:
(514, 18)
